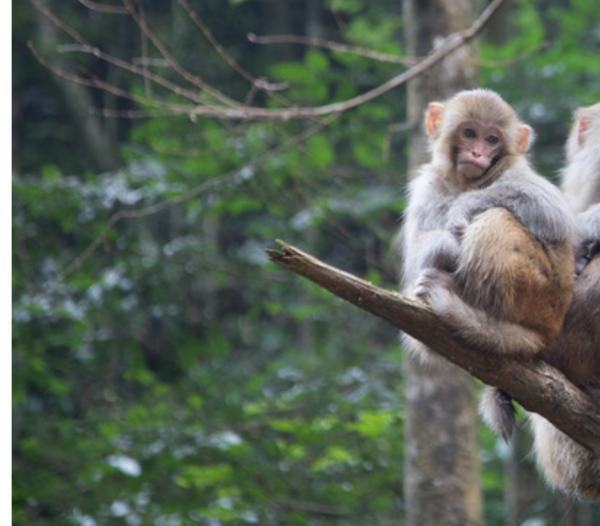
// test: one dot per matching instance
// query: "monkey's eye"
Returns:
(469, 133)
(592, 249)
(492, 139)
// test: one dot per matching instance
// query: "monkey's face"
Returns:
(476, 148)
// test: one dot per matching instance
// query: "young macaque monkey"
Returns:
(487, 241)
(576, 351)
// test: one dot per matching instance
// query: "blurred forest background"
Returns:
(164, 372)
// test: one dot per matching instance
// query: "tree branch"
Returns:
(228, 108)
(450, 44)
(537, 386)
(340, 47)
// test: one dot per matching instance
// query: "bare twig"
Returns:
(231, 109)
(261, 84)
(87, 47)
(192, 78)
(129, 114)
(535, 384)
(103, 8)
(94, 82)
(330, 45)
(451, 44)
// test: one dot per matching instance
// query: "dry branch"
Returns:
(225, 107)
(340, 47)
(537, 386)
(450, 45)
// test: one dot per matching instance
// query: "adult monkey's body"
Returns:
(487, 242)
(576, 351)
(565, 464)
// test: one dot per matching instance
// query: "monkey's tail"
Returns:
(498, 412)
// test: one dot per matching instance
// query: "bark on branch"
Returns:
(537, 386)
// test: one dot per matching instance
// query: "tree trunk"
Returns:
(102, 147)
(442, 467)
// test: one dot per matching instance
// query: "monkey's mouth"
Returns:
(474, 170)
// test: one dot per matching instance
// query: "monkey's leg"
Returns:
(508, 274)
(509, 293)
(475, 326)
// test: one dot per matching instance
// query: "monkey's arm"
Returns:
(427, 243)
(535, 202)
(436, 289)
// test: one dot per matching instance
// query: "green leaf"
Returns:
(373, 424)
(320, 151)
(204, 476)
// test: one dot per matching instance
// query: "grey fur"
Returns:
(533, 200)
(498, 412)
(442, 215)
(436, 209)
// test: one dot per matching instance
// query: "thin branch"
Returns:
(451, 44)
(103, 8)
(261, 84)
(129, 114)
(535, 384)
(149, 61)
(244, 112)
(331, 46)
(87, 47)
(193, 79)
(95, 82)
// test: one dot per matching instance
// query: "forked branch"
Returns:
(537, 386)
(220, 106)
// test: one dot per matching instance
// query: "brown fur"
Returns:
(576, 352)
(512, 281)
(565, 464)
(581, 332)
(528, 283)
(497, 263)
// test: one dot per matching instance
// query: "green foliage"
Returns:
(175, 376)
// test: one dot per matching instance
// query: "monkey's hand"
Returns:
(436, 289)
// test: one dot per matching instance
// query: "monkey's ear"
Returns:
(582, 127)
(433, 118)
(524, 139)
